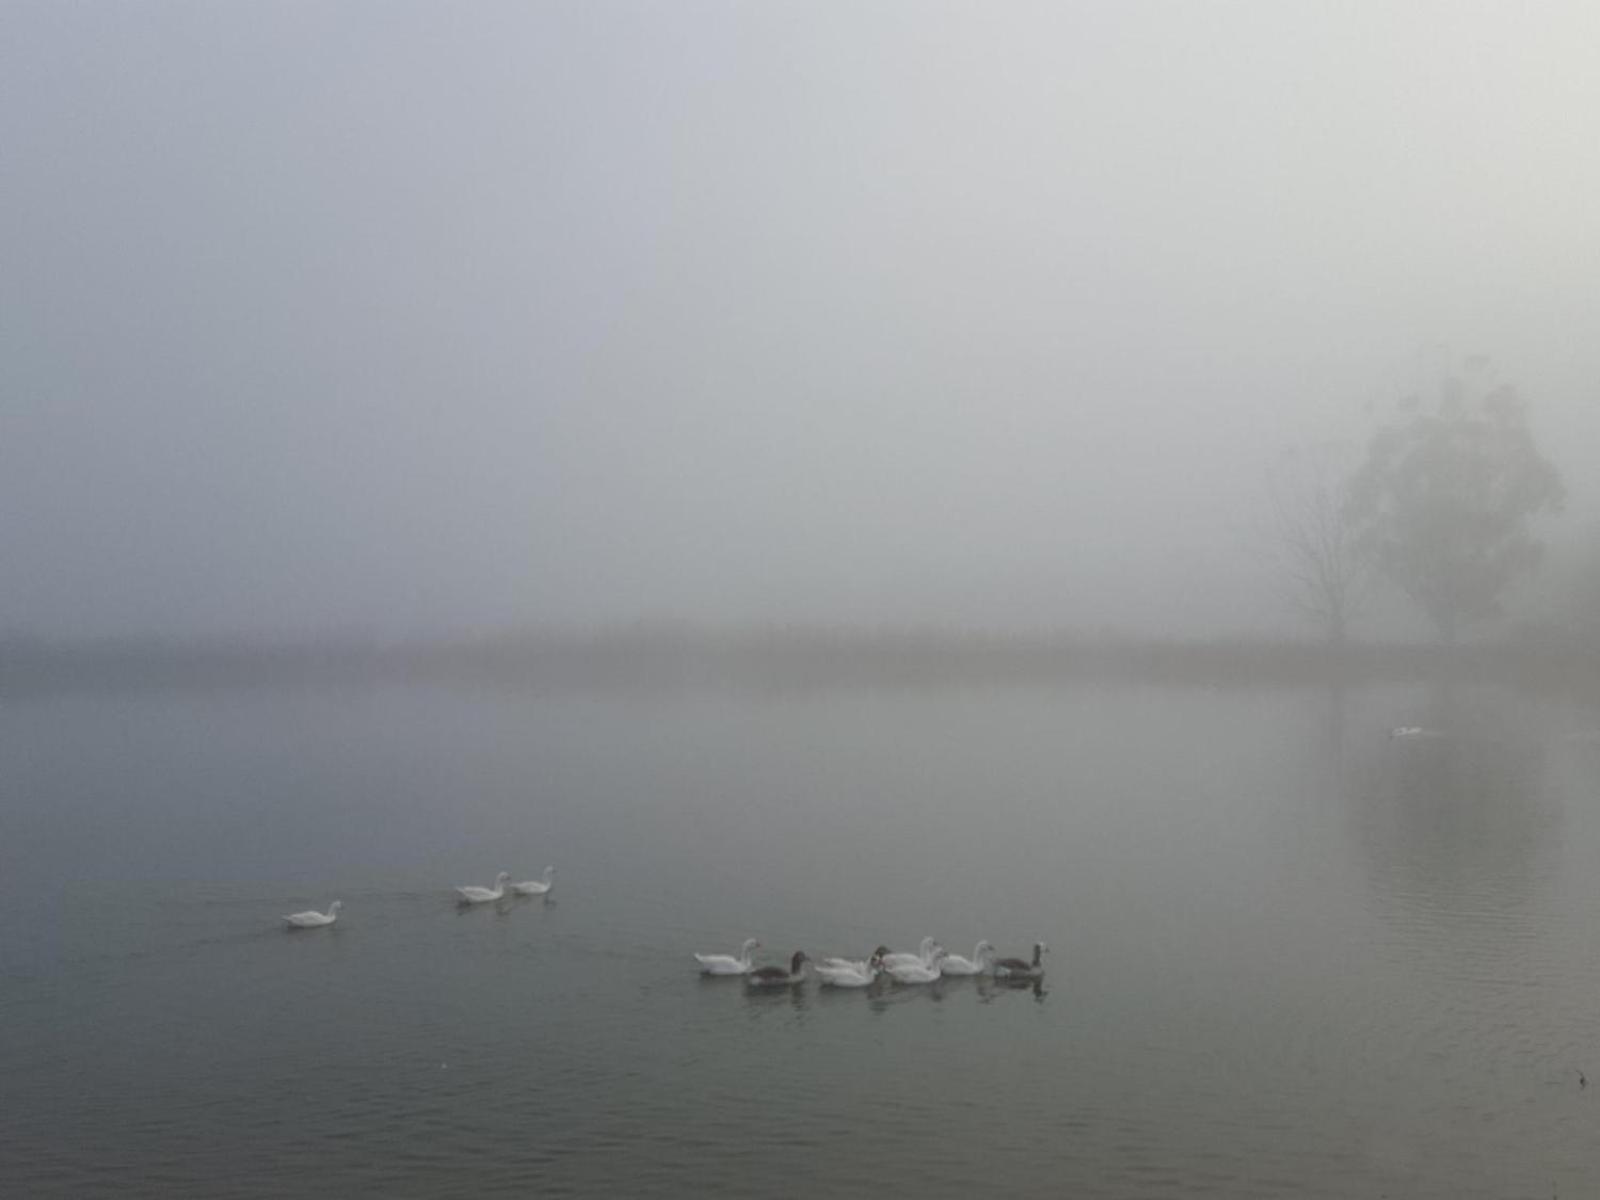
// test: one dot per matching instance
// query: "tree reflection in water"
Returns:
(1456, 827)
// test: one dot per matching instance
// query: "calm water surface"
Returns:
(1289, 956)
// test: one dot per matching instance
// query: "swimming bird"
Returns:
(727, 964)
(536, 887)
(924, 955)
(982, 956)
(777, 976)
(918, 972)
(854, 964)
(846, 974)
(311, 919)
(1015, 968)
(482, 895)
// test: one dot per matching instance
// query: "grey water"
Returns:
(1289, 955)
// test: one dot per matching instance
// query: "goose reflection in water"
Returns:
(763, 1002)
(886, 995)
(500, 908)
(990, 990)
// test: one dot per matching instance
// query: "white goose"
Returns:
(727, 964)
(918, 972)
(311, 919)
(847, 974)
(482, 895)
(854, 964)
(1413, 733)
(536, 887)
(982, 957)
(923, 956)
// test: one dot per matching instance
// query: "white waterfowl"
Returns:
(854, 964)
(982, 956)
(777, 976)
(847, 974)
(311, 919)
(923, 956)
(1016, 968)
(536, 887)
(482, 895)
(728, 964)
(918, 972)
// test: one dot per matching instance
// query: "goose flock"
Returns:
(927, 964)
(466, 895)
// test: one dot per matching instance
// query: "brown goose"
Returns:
(1015, 968)
(777, 976)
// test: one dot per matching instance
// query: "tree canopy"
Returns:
(1444, 501)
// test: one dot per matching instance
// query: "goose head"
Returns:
(748, 945)
(333, 909)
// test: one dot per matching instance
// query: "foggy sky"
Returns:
(406, 318)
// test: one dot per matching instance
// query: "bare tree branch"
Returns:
(1310, 544)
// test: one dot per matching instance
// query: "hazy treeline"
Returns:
(793, 659)
(1446, 510)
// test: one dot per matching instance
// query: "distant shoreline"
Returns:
(786, 659)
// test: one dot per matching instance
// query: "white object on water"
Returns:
(854, 964)
(923, 956)
(982, 956)
(918, 972)
(727, 964)
(311, 919)
(846, 974)
(536, 887)
(482, 895)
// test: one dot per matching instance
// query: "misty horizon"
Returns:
(380, 318)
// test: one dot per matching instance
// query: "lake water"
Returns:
(1288, 955)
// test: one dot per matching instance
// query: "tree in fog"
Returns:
(1579, 604)
(1309, 540)
(1443, 504)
